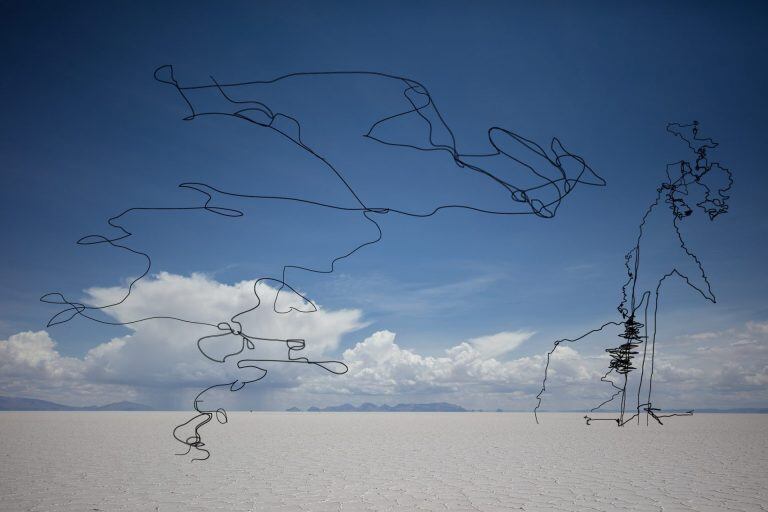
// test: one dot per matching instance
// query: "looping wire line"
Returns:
(419, 103)
(683, 179)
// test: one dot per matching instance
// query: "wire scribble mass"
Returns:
(694, 184)
(536, 181)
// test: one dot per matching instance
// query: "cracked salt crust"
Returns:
(79, 461)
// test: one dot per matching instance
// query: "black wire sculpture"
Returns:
(551, 184)
(705, 182)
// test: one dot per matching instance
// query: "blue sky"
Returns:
(87, 132)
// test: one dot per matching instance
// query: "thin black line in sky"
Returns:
(549, 173)
(686, 181)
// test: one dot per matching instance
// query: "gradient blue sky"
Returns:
(87, 132)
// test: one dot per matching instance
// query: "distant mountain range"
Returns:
(733, 410)
(31, 404)
(447, 407)
(369, 407)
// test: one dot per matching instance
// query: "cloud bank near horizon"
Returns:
(158, 360)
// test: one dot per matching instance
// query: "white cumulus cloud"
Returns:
(160, 358)
(379, 366)
(163, 353)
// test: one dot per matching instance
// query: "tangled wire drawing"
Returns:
(696, 183)
(549, 175)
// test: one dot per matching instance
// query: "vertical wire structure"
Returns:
(705, 184)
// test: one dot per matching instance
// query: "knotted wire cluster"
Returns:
(621, 356)
(685, 179)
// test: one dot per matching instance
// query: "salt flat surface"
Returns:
(81, 461)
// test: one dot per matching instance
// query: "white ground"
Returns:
(382, 461)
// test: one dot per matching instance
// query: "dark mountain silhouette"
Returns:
(31, 404)
(447, 407)
(369, 407)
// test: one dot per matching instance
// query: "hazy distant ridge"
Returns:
(31, 404)
(448, 407)
(369, 407)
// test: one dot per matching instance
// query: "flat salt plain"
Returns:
(85, 461)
